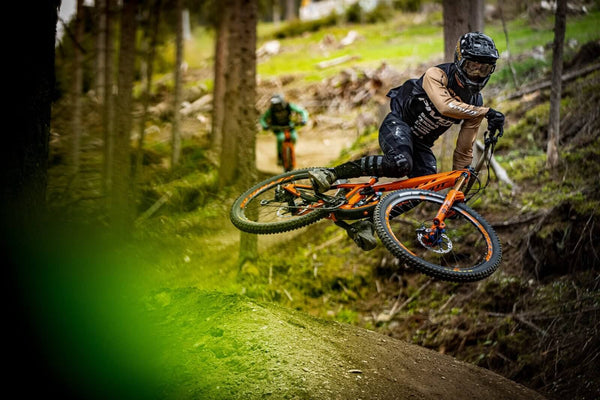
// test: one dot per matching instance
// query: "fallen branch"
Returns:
(546, 84)
(518, 220)
(500, 172)
(153, 208)
(336, 61)
(520, 318)
(396, 308)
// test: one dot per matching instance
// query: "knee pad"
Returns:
(401, 164)
(372, 165)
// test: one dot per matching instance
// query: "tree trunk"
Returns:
(24, 154)
(476, 15)
(238, 159)
(290, 10)
(121, 204)
(154, 19)
(76, 89)
(220, 68)
(108, 101)
(560, 22)
(457, 22)
(100, 12)
(176, 132)
(276, 11)
(28, 89)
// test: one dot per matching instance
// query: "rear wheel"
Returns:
(467, 250)
(278, 204)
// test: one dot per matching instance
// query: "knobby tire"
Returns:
(266, 208)
(288, 157)
(474, 252)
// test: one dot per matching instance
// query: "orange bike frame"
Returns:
(435, 182)
(287, 142)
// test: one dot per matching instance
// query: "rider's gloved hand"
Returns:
(265, 128)
(495, 121)
(302, 123)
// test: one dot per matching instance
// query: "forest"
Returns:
(133, 132)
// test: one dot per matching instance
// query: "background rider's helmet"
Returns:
(475, 58)
(278, 102)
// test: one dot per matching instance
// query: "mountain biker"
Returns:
(280, 113)
(421, 111)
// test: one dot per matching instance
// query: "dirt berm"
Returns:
(240, 349)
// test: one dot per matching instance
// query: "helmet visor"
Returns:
(477, 71)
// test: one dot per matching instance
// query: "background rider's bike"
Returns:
(424, 221)
(288, 150)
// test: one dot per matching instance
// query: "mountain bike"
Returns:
(288, 151)
(423, 221)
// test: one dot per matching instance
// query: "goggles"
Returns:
(475, 69)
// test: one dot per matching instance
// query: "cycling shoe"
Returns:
(362, 232)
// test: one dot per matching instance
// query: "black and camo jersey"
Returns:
(435, 101)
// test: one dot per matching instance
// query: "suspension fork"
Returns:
(438, 225)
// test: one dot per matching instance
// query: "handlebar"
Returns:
(491, 137)
(284, 127)
(280, 127)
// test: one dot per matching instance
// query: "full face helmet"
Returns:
(475, 58)
(277, 102)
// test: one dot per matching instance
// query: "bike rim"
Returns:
(273, 204)
(463, 247)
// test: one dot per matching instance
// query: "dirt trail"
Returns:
(255, 350)
(315, 148)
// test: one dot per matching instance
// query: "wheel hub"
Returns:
(435, 240)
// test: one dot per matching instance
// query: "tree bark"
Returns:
(154, 18)
(176, 129)
(24, 154)
(29, 92)
(276, 11)
(100, 13)
(560, 22)
(476, 15)
(238, 149)
(290, 10)
(76, 89)
(457, 22)
(238, 159)
(108, 101)
(121, 204)
(220, 68)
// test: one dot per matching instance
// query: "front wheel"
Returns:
(468, 250)
(279, 204)
(288, 156)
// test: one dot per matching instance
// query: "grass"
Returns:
(395, 42)
(400, 42)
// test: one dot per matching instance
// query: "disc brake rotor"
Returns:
(443, 245)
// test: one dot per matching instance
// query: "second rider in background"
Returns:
(281, 113)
